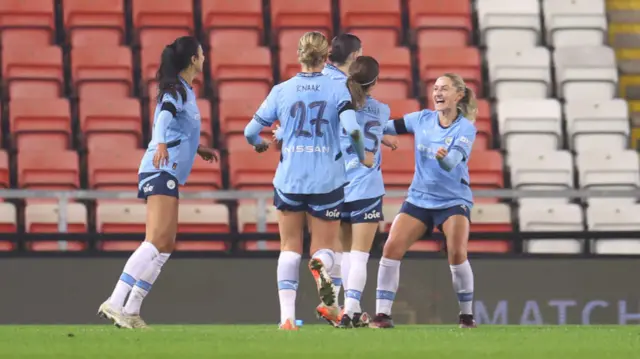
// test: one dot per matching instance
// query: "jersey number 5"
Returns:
(368, 134)
(299, 111)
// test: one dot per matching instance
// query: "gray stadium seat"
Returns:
(519, 72)
(504, 23)
(523, 122)
(614, 217)
(536, 169)
(537, 217)
(601, 169)
(575, 22)
(595, 124)
(586, 72)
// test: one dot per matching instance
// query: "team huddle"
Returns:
(328, 180)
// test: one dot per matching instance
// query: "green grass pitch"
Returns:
(320, 341)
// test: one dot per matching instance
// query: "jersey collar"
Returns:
(334, 68)
(184, 82)
(309, 74)
(452, 123)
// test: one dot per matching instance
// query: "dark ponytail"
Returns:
(175, 58)
(363, 74)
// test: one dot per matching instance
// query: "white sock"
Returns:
(288, 275)
(388, 280)
(144, 284)
(336, 275)
(462, 277)
(139, 261)
(346, 268)
(327, 256)
(357, 281)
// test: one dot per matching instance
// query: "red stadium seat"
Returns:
(289, 65)
(385, 16)
(401, 107)
(294, 16)
(248, 218)
(115, 170)
(8, 224)
(438, 60)
(249, 170)
(204, 176)
(33, 71)
(486, 171)
(484, 137)
(223, 20)
(246, 63)
(44, 217)
(40, 124)
(234, 114)
(203, 218)
(121, 217)
(101, 71)
(160, 37)
(397, 166)
(94, 22)
(4, 170)
(149, 63)
(155, 16)
(119, 118)
(396, 78)
(242, 90)
(229, 38)
(441, 23)
(60, 170)
(33, 20)
(384, 39)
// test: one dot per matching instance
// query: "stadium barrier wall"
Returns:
(243, 291)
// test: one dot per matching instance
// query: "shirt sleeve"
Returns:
(177, 101)
(411, 121)
(267, 114)
(464, 141)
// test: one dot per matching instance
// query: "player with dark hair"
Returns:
(164, 167)
(311, 108)
(439, 196)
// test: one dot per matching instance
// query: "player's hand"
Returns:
(207, 154)
(390, 141)
(368, 159)
(442, 153)
(262, 146)
(161, 157)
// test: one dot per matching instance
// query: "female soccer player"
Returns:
(311, 176)
(164, 167)
(345, 49)
(362, 210)
(439, 195)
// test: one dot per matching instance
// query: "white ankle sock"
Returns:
(357, 281)
(462, 277)
(388, 280)
(336, 275)
(144, 284)
(139, 261)
(288, 275)
(346, 268)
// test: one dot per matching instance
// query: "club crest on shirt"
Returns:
(448, 140)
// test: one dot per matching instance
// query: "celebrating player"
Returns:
(165, 165)
(310, 177)
(439, 195)
(362, 210)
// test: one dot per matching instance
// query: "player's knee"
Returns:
(457, 254)
(393, 249)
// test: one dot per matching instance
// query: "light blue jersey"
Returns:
(334, 72)
(308, 107)
(434, 187)
(182, 136)
(365, 183)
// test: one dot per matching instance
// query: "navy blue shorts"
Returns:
(434, 218)
(152, 183)
(327, 206)
(363, 211)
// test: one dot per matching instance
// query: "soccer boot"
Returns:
(288, 324)
(330, 314)
(323, 281)
(381, 321)
(357, 320)
(116, 317)
(135, 321)
(467, 321)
